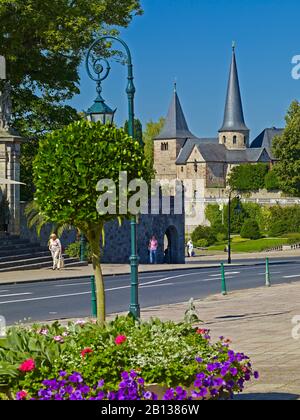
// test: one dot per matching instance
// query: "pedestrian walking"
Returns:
(56, 252)
(153, 247)
(190, 248)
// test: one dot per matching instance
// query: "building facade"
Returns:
(203, 164)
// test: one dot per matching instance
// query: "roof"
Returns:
(265, 139)
(213, 152)
(234, 115)
(175, 126)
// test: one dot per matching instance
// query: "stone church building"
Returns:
(205, 163)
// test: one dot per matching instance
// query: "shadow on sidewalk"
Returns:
(270, 396)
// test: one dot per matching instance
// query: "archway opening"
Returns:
(171, 246)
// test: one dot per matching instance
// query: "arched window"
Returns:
(196, 166)
(245, 140)
(182, 169)
(165, 146)
(234, 139)
(224, 139)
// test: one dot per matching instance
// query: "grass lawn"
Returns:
(246, 245)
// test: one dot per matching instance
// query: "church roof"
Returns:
(265, 139)
(234, 115)
(212, 152)
(175, 126)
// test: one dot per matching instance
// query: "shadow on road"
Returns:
(270, 396)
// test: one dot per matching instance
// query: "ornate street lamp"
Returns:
(103, 113)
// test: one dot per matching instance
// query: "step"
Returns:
(72, 262)
(21, 262)
(20, 252)
(36, 254)
(11, 247)
(6, 241)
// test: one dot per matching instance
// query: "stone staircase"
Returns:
(20, 254)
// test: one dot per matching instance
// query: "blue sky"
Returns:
(190, 40)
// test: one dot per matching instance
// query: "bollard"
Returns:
(268, 276)
(94, 298)
(224, 288)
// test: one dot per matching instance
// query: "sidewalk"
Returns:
(259, 322)
(205, 261)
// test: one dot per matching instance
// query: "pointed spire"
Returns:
(234, 116)
(175, 125)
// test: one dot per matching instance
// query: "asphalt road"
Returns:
(71, 298)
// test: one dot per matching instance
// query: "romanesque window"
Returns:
(182, 169)
(224, 139)
(165, 146)
(234, 139)
(245, 140)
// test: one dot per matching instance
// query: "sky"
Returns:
(190, 41)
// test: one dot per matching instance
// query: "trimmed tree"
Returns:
(69, 165)
(250, 230)
(287, 150)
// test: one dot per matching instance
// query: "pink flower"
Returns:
(22, 395)
(58, 339)
(44, 332)
(27, 366)
(120, 340)
(86, 351)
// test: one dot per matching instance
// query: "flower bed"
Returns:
(57, 362)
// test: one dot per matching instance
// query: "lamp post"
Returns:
(101, 112)
(237, 210)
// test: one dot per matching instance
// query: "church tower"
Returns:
(234, 133)
(169, 142)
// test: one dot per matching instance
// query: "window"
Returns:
(196, 166)
(165, 146)
(182, 169)
(245, 140)
(224, 139)
(234, 139)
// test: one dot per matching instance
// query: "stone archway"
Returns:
(171, 245)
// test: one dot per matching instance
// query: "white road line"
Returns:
(226, 272)
(44, 298)
(272, 272)
(291, 277)
(16, 294)
(157, 285)
(72, 284)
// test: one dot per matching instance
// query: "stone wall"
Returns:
(117, 247)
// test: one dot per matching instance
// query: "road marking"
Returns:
(72, 284)
(16, 294)
(44, 298)
(157, 285)
(291, 277)
(227, 272)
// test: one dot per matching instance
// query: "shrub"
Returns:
(250, 230)
(221, 232)
(202, 243)
(73, 251)
(272, 181)
(248, 177)
(204, 232)
(278, 228)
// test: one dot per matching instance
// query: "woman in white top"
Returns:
(56, 251)
(190, 247)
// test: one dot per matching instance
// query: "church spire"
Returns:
(234, 116)
(175, 126)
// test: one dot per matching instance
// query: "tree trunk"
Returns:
(93, 237)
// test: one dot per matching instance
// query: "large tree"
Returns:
(287, 150)
(44, 43)
(67, 169)
(152, 130)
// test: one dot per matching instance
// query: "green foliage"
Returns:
(201, 243)
(272, 181)
(164, 352)
(283, 220)
(248, 177)
(287, 150)
(138, 130)
(214, 214)
(250, 230)
(248, 245)
(44, 43)
(73, 251)
(152, 130)
(203, 233)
